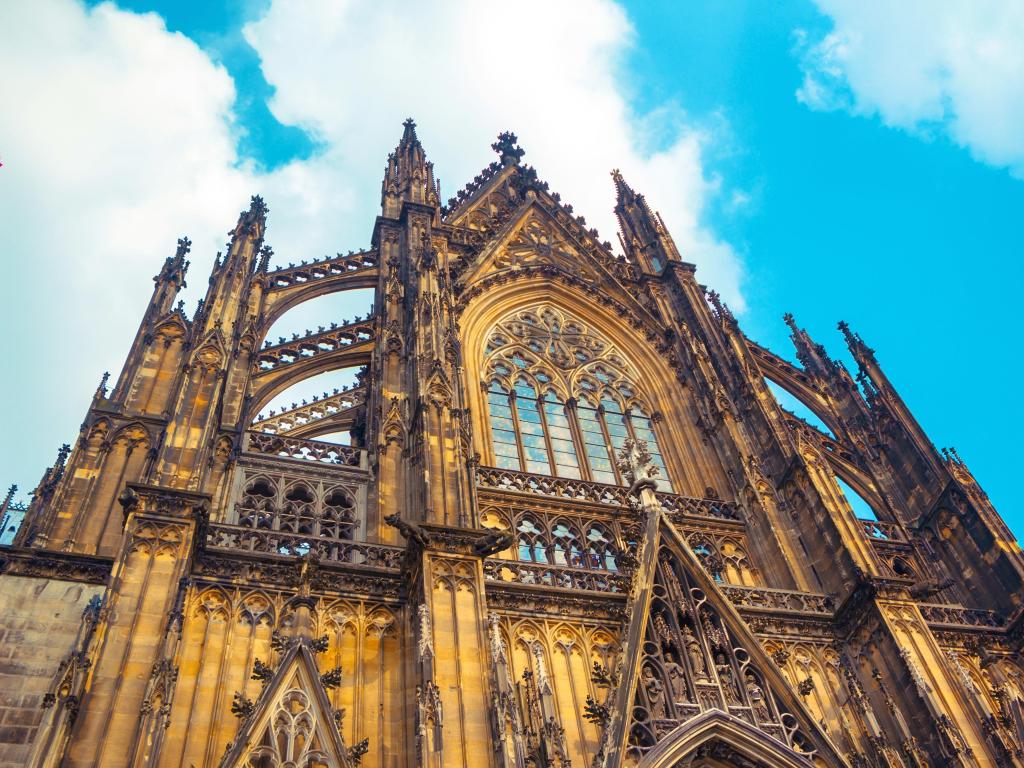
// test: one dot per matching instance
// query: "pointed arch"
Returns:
(716, 734)
(562, 398)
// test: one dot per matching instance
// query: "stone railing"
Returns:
(964, 617)
(308, 450)
(324, 268)
(308, 413)
(313, 344)
(535, 574)
(879, 531)
(598, 493)
(779, 599)
(237, 538)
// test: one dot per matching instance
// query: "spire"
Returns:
(408, 177)
(175, 267)
(251, 223)
(811, 355)
(641, 231)
(861, 352)
(8, 499)
(169, 281)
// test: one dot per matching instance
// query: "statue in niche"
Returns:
(655, 691)
(695, 653)
(727, 679)
(676, 677)
(756, 696)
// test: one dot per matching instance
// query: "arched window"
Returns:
(530, 542)
(600, 550)
(562, 401)
(566, 545)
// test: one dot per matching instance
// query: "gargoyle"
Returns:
(410, 531)
(491, 543)
(925, 589)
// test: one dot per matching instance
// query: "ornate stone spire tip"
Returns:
(409, 134)
(507, 148)
(257, 206)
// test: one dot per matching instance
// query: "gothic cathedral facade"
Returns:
(573, 526)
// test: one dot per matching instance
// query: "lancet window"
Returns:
(562, 400)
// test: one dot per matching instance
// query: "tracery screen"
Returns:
(562, 400)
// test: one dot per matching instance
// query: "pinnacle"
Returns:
(409, 134)
(622, 189)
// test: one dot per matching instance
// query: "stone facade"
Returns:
(574, 526)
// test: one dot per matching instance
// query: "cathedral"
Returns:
(572, 526)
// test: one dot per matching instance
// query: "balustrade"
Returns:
(308, 450)
(599, 493)
(238, 538)
(318, 270)
(965, 617)
(779, 599)
(515, 572)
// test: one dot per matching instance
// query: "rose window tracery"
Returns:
(562, 400)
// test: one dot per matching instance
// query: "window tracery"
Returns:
(557, 540)
(562, 400)
(296, 507)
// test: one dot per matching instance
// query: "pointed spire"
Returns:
(253, 222)
(101, 390)
(409, 134)
(408, 176)
(8, 499)
(811, 355)
(641, 231)
(861, 352)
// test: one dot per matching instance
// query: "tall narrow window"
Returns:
(563, 449)
(503, 430)
(531, 429)
(595, 444)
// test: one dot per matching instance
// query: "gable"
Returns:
(689, 653)
(536, 241)
(292, 721)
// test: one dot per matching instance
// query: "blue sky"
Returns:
(808, 158)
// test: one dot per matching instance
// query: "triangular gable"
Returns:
(482, 202)
(292, 722)
(690, 653)
(533, 237)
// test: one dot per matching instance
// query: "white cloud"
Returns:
(955, 67)
(351, 72)
(118, 136)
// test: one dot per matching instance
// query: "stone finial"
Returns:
(506, 147)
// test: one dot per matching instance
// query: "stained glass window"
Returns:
(562, 400)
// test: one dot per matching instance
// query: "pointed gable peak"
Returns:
(293, 703)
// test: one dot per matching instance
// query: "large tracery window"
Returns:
(562, 400)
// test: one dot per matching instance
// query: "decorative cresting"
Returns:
(562, 399)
